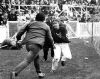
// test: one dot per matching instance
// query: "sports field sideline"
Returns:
(85, 64)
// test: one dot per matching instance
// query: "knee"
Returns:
(30, 57)
(28, 61)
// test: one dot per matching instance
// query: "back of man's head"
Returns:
(40, 17)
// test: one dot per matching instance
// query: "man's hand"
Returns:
(13, 42)
(18, 44)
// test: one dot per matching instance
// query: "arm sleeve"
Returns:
(21, 32)
(49, 37)
(63, 35)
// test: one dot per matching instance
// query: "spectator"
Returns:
(83, 19)
(12, 16)
(21, 17)
(1, 17)
(93, 2)
(5, 18)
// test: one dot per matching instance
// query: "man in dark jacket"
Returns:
(1, 17)
(62, 49)
(12, 16)
(47, 46)
(36, 32)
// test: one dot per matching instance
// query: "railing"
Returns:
(75, 29)
(83, 30)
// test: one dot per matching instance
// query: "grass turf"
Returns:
(85, 64)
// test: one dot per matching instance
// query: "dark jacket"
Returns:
(12, 17)
(59, 36)
(1, 19)
(36, 32)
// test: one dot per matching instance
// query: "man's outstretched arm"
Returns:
(21, 32)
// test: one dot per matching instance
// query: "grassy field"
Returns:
(85, 64)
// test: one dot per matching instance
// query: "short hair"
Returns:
(40, 17)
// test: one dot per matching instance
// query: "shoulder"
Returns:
(62, 24)
(47, 26)
(63, 28)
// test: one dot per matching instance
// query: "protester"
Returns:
(62, 49)
(36, 34)
(1, 17)
(47, 46)
(10, 44)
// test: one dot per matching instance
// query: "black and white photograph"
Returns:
(49, 39)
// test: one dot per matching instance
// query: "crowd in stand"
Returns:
(10, 12)
(43, 2)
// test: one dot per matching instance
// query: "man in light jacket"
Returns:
(36, 34)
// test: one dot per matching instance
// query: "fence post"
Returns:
(92, 33)
(7, 26)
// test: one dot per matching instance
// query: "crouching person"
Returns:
(10, 44)
(36, 32)
(61, 43)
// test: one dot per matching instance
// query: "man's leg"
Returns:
(36, 64)
(66, 53)
(37, 67)
(52, 52)
(56, 59)
(45, 51)
(33, 52)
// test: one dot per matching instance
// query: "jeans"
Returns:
(33, 55)
(61, 51)
(46, 50)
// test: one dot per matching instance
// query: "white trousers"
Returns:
(61, 51)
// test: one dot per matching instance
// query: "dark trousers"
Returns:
(46, 50)
(33, 55)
